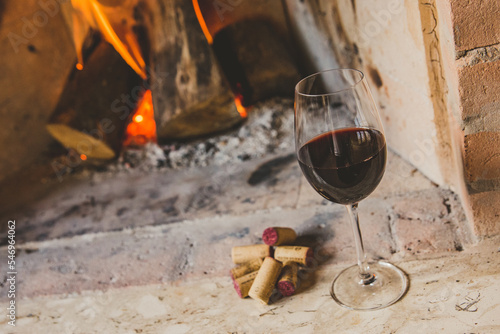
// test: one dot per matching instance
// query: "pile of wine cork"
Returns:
(273, 265)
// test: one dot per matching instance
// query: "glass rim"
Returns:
(326, 71)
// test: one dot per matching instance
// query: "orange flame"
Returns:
(142, 129)
(238, 99)
(241, 109)
(89, 13)
(202, 22)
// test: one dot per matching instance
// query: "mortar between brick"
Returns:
(478, 55)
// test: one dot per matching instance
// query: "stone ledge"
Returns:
(417, 225)
(102, 202)
(107, 231)
(456, 293)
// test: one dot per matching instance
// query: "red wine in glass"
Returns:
(346, 165)
(341, 149)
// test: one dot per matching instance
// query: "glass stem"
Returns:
(364, 273)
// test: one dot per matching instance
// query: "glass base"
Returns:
(388, 286)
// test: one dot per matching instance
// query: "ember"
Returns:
(142, 128)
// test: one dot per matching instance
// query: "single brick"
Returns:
(486, 211)
(480, 89)
(482, 156)
(424, 236)
(475, 23)
(422, 223)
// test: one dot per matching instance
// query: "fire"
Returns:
(241, 109)
(108, 21)
(202, 22)
(90, 13)
(142, 129)
(238, 98)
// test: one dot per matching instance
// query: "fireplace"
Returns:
(144, 139)
(95, 86)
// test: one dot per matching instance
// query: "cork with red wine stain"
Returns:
(276, 236)
(287, 284)
(243, 284)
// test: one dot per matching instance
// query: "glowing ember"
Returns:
(241, 109)
(142, 129)
(83, 157)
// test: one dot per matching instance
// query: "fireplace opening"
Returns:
(201, 77)
(176, 80)
(193, 83)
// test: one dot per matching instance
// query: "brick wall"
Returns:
(476, 31)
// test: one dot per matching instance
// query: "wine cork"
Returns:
(243, 284)
(298, 254)
(242, 254)
(275, 236)
(264, 283)
(246, 268)
(287, 284)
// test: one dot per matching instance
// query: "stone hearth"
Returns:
(119, 249)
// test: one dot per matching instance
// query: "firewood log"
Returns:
(189, 95)
(257, 60)
(96, 104)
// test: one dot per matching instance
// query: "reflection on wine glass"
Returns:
(341, 149)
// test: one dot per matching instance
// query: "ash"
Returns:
(268, 130)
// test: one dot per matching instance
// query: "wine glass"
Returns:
(341, 149)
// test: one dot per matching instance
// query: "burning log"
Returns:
(256, 60)
(251, 40)
(95, 105)
(189, 95)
